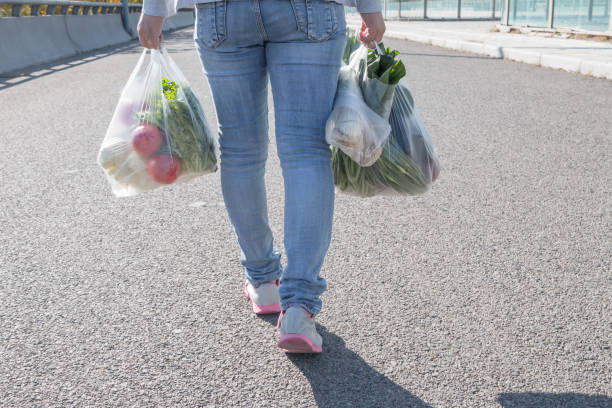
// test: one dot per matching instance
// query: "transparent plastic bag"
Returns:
(353, 126)
(408, 163)
(159, 134)
(410, 133)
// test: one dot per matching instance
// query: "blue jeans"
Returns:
(299, 45)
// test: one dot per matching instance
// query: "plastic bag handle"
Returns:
(378, 49)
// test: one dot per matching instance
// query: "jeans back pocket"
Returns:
(316, 18)
(211, 23)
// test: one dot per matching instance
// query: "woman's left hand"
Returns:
(372, 29)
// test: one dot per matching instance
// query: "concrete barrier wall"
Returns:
(93, 32)
(26, 41)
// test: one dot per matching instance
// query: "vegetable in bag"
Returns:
(159, 134)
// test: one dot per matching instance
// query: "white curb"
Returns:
(570, 64)
(528, 57)
(596, 69)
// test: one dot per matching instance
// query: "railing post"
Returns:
(551, 11)
(493, 9)
(610, 22)
(399, 9)
(590, 10)
(506, 13)
(458, 9)
(16, 10)
(424, 9)
(125, 17)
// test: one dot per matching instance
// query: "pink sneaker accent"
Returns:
(293, 342)
(297, 343)
(261, 309)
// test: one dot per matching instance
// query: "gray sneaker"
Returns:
(264, 298)
(297, 332)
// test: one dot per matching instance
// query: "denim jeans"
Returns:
(298, 44)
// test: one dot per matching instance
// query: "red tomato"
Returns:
(164, 168)
(146, 139)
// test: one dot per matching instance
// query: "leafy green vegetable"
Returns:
(393, 170)
(385, 67)
(351, 45)
(187, 134)
(169, 88)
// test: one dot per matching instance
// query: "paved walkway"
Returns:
(583, 56)
(493, 290)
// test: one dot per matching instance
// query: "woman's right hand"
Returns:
(150, 31)
(372, 29)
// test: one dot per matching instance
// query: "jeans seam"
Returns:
(298, 21)
(258, 19)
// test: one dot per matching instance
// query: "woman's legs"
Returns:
(300, 42)
(304, 75)
(236, 71)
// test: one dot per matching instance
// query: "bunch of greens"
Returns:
(351, 46)
(181, 117)
(393, 171)
(379, 74)
(386, 68)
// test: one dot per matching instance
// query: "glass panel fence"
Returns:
(583, 14)
(405, 8)
(480, 8)
(529, 12)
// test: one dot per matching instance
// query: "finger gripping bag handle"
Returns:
(159, 134)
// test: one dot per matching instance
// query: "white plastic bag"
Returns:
(352, 126)
(159, 134)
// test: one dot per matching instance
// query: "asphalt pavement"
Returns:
(493, 290)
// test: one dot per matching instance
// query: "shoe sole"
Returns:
(297, 343)
(269, 309)
(266, 309)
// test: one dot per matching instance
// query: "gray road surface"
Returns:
(491, 291)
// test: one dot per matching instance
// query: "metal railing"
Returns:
(67, 7)
(441, 9)
(75, 8)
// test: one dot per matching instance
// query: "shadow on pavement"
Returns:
(339, 377)
(552, 400)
